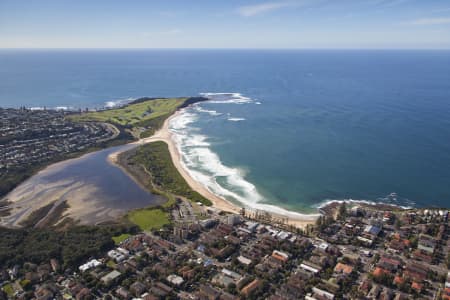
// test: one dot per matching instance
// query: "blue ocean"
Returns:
(292, 129)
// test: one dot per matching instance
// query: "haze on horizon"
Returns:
(327, 24)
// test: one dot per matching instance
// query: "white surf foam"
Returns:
(202, 110)
(63, 108)
(51, 108)
(385, 201)
(118, 102)
(227, 98)
(236, 119)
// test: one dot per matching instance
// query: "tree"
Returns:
(342, 213)
(397, 223)
(232, 288)
(319, 222)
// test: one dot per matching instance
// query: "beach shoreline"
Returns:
(164, 134)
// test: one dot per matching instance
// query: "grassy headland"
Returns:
(142, 117)
(132, 114)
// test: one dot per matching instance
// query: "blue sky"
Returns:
(375, 24)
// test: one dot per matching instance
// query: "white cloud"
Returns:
(253, 10)
(431, 21)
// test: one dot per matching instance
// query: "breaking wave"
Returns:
(118, 102)
(210, 112)
(391, 199)
(63, 108)
(59, 108)
(227, 98)
(236, 119)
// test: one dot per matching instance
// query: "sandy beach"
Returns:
(165, 135)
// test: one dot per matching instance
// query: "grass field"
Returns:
(120, 238)
(149, 218)
(133, 114)
(142, 117)
(156, 159)
(8, 289)
(111, 264)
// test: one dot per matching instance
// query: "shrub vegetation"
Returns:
(155, 158)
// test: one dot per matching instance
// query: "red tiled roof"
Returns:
(279, 257)
(398, 280)
(343, 268)
(249, 288)
(379, 271)
(416, 286)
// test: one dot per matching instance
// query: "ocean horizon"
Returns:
(283, 128)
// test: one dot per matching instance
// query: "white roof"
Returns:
(308, 268)
(283, 235)
(244, 260)
(323, 246)
(231, 274)
(124, 251)
(323, 293)
(90, 264)
(175, 279)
